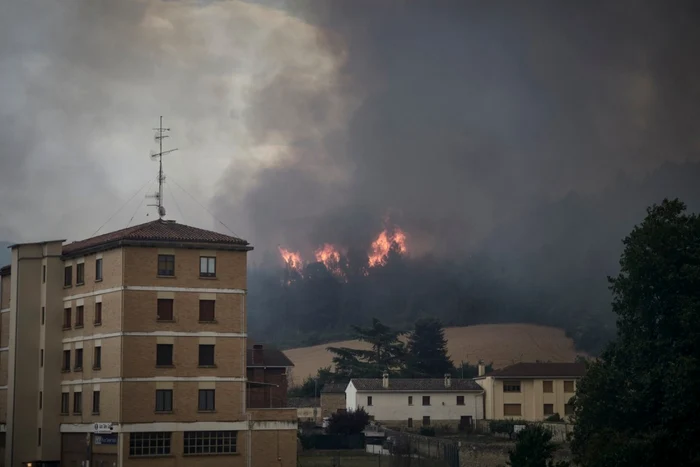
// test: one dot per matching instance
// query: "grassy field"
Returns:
(501, 344)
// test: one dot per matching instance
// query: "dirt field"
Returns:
(501, 344)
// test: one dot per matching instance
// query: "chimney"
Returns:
(385, 380)
(482, 368)
(257, 358)
(448, 380)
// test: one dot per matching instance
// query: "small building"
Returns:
(333, 399)
(308, 408)
(410, 403)
(267, 374)
(530, 391)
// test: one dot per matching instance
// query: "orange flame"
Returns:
(330, 257)
(292, 259)
(384, 243)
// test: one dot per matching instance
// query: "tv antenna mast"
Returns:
(159, 137)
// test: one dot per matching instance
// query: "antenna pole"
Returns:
(160, 135)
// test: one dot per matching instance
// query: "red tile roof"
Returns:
(158, 231)
(546, 370)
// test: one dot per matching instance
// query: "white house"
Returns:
(418, 402)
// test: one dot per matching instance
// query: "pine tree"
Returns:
(427, 350)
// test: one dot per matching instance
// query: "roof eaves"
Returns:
(156, 244)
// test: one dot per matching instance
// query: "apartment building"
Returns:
(530, 391)
(129, 349)
(267, 375)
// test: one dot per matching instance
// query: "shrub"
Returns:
(554, 418)
(348, 423)
(427, 431)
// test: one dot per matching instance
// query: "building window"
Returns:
(149, 444)
(98, 269)
(165, 309)
(80, 274)
(206, 310)
(41, 358)
(43, 274)
(78, 360)
(210, 442)
(164, 354)
(568, 409)
(68, 276)
(66, 318)
(460, 400)
(369, 401)
(511, 410)
(38, 437)
(206, 355)
(569, 386)
(164, 400)
(426, 421)
(511, 386)
(166, 265)
(95, 402)
(206, 400)
(547, 386)
(426, 400)
(43, 315)
(410, 400)
(64, 403)
(410, 423)
(66, 360)
(79, 316)
(41, 400)
(549, 409)
(97, 358)
(207, 267)
(77, 402)
(98, 313)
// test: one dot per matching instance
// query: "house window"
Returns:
(41, 400)
(166, 265)
(96, 402)
(43, 315)
(426, 421)
(66, 360)
(149, 444)
(410, 423)
(568, 409)
(43, 274)
(98, 313)
(206, 400)
(165, 309)
(164, 400)
(78, 359)
(549, 409)
(41, 358)
(547, 386)
(98, 269)
(79, 316)
(80, 274)
(66, 318)
(460, 400)
(64, 403)
(206, 355)
(206, 310)
(97, 358)
(410, 400)
(511, 386)
(68, 276)
(38, 434)
(426, 400)
(568, 386)
(207, 267)
(210, 442)
(77, 402)
(511, 410)
(369, 401)
(164, 355)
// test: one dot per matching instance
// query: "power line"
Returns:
(137, 208)
(177, 205)
(205, 208)
(122, 206)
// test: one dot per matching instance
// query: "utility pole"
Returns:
(159, 137)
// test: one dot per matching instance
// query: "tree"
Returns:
(427, 350)
(465, 370)
(348, 423)
(534, 448)
(637, 404)
(387, 353)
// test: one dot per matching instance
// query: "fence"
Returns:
(559, 430)
(332, 442)
(407, 449)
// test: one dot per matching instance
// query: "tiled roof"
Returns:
(547, 370)
(300, 402)
(330, 388)
(267, 357)
(408, 384)
(156, 231)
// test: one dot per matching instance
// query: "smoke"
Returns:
(456, 117)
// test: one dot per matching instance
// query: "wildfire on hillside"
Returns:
(292, 259)
(329, 255)
(384, 243)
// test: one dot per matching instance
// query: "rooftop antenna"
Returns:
(159, 137)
